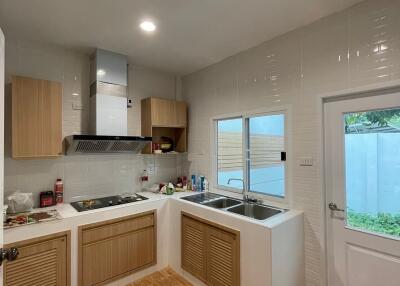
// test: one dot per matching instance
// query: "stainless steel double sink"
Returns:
(251, 210)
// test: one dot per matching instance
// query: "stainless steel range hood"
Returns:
(95, 144)
(108, 109)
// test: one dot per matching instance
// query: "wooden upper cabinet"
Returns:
(164, 118)
(181, 113)
(165, 112)
(41, 261)
(36, 118)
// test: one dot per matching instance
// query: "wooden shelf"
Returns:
(167, 154)
(164, 118)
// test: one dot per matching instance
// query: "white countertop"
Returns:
(68, 211)
(69, 217)
(280, 230)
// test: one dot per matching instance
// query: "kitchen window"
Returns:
(252, 150)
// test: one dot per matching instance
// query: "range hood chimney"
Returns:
(108, 109)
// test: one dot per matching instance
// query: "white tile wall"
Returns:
(349, 49)
(91, 175)
(352, 48)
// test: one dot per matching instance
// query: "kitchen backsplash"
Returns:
(91, 175)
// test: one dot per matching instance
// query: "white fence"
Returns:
(373, 172)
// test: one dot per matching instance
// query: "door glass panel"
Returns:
(372, 155)
(266, 143)
(230, 152)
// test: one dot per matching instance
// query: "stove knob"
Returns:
(110, 203)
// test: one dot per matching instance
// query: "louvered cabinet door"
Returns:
(39, 263)
(223, 268)
(193, 252)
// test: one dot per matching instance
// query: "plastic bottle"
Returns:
(206, 185)
(193, 181)
(145, 176)
(59, 191)
(198, 183)
(202, 178)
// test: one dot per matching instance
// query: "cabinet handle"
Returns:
(8, 254)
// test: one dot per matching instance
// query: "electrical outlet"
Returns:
(151, 170)
(306, 161)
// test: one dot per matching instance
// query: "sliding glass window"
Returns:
(251, 151)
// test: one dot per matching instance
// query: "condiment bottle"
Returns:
(59, 191)
(145, 176)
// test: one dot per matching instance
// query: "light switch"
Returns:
(306, 161)
(129, 102)
(77, 106)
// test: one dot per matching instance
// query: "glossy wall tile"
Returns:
(92, 175)
(352, 48)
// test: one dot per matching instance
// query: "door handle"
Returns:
(8, 254)
(334, 207)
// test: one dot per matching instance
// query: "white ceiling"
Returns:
(191, 34)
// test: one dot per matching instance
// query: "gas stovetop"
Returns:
(87, 205)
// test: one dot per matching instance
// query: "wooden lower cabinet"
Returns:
(113, 249)
(43, 261)
(210, 252)
(194, 251)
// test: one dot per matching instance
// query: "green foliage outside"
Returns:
(380, 118)
(382, 223)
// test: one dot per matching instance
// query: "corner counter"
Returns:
(269, 250)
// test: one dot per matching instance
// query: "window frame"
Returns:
(245, 116)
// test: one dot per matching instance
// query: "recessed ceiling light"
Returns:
(147, 26)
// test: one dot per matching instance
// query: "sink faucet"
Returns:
(244, 192)
(246, 197)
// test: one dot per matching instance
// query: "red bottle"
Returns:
(59, 191)
(145, 176)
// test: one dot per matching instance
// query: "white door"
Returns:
(362, 171)
(1, 143)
